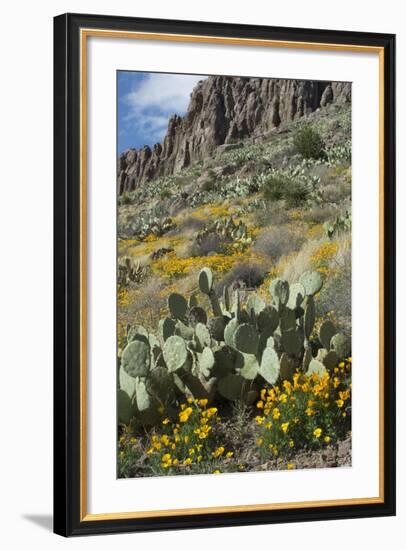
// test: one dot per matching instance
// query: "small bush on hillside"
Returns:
(247, 275)
(309, 143)
(124, 199)
(294, 192)
(210, 243)
(272, 213)
(165, 194)
(275, 242)
(319, 214)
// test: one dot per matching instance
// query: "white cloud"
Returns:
(155, 100)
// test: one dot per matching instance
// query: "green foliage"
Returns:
(308, 142)
(295, 190)
(227, 231)
(228, 355)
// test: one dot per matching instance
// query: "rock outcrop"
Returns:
(223, 110)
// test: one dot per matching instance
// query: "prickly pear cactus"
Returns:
(177, 306)
(312, 282)
(136, 358)
(228, 352)
(341, 344)
(175, 353)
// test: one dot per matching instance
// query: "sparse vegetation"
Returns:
(221, 247)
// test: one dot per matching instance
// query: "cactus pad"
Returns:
(331, 360)
(216, 326)
(126, 382)
(280, 292)
(231, 387)
(309, 316)
(175, 353)
(270, 366)
(246, 339)
(307, 357)
(268, 319)
(202, 335)
(255, 305)
(137, 332)
(206, 362)
(312, 282)
(292, 342)
(136, 358)
(159, 383)
(143, 399)
(167, 328)
(316, 367)
(125, 408)
(341, 344)
(197, 315)
(287, 320)
(206, 280)
(251, 367)
(224, 361)
(326, 332)
(296, 295)
(177, 305)
(287, 367)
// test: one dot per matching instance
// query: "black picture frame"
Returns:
(67, 350)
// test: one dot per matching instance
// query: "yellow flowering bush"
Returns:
(321, 258)
(307, 412)
(171, 266)
(188, 441)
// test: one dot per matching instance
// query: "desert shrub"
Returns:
(246, 275)
(293, 191)
(191, 223)
(145, 304)
(210, 181)
(336, 192)
(296, 194)
(318, 214)
(210, 243)
(274, 188)
(124, 199)
(309, 143)
(274, 213)
(165, 194)
(275, 242)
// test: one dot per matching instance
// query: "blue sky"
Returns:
(146, 101)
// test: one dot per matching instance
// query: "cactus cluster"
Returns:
(227, 355)
(228, 231)
(340, 225)
(154, 226)
(130, 272)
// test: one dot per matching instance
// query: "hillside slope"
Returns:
(224, 110)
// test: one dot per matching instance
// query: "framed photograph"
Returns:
(224, 274)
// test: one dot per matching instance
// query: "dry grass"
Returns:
(292, 270)
(319, 214)
(277, 241)
(335, 297)
(336, 192)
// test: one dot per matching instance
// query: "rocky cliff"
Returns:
(222, 110)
